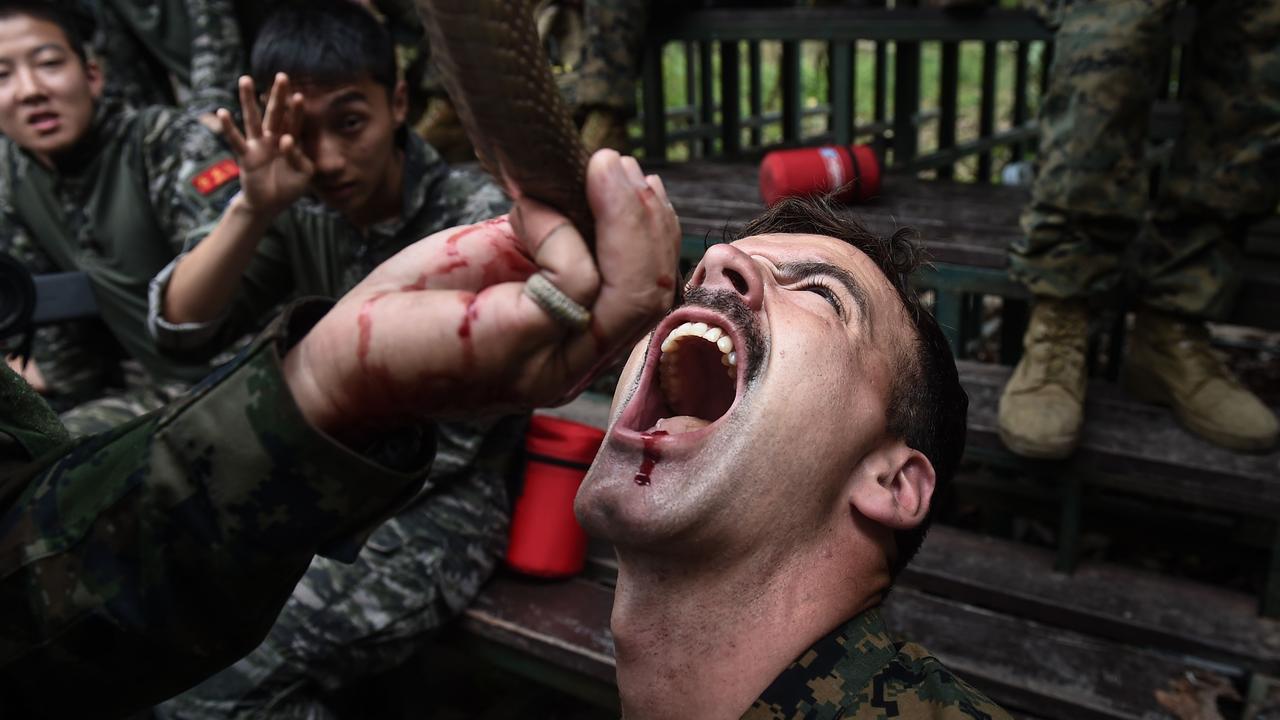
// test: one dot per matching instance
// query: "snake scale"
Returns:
(497, 74)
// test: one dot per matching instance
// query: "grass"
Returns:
(679, 59)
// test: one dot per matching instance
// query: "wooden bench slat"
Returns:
(1120, 603)
(1027, 665)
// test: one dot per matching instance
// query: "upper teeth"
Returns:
(703, 331)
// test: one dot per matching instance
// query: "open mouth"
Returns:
(690, 379)
(44, 121)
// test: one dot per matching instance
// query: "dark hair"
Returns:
(928, 408)
(323, 42)
(71, 24)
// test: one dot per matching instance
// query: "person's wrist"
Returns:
(309, 390)
(257, 213)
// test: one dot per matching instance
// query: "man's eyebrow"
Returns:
(809, 269)
(348, 97)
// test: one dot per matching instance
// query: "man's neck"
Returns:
(706, 641)
(387, 203)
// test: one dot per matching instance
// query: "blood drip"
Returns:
(651, 456)
(365, 322)
(464, 328)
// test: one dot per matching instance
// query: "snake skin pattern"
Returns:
(498, 77)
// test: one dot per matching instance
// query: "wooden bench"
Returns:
(1095, 644)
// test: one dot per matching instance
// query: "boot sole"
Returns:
(1145, 388)
(1038, 450)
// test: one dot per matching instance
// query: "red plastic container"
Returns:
(546, 539)
(853, 170)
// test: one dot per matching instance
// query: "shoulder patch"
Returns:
(215, 176)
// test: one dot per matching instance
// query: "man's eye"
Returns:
(351, 123)
(827, 294)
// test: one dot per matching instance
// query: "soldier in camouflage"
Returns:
(1090, 228)
(375, 190)
(168, 52)
(138, 561)
(86, 184)
(774, 453)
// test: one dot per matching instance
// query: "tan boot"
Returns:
(604, 128)
(1170, 363)
(1042, 407)
(442, 129)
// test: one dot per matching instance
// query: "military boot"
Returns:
(1042, 406)
(442, 129)
(604, 128)
(1170, 363)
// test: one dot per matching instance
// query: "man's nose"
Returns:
(725, 267)
(27, 85)
(327, 156)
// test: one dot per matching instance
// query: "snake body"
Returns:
(496, 71)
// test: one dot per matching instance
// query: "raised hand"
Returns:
(446, 328)
(274, 172)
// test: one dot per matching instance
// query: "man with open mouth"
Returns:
(774, 450)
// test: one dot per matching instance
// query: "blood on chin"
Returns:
(678, 424)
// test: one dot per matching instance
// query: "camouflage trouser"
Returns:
(417, 571)
(119, 407)
(606, 76)
(1090, 218)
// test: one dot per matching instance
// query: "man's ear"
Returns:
(93, 72)
(400, 103)
(893, 486)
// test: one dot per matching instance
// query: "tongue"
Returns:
(679, 424)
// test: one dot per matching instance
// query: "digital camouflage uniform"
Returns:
(146, 46)
(118, 206)
(424, 565)
(135, 562)
(858, 672)
(1090, 198)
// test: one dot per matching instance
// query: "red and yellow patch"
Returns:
(215, 176)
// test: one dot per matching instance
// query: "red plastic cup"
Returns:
(546, 539)
(854, 170)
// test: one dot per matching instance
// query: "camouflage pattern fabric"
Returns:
(118, 207)
(136, 562)
(858, 672)
(423, 566)
(606, 76)
(149, 48)
(119, 406)
(417, 571)
(1089, 220)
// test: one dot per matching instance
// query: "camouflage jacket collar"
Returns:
(843, 661)
(108, 117)
(421, 170)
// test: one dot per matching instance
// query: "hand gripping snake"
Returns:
(497, 74)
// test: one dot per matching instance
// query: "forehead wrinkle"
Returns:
(804, 270)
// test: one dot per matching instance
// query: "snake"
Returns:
(496, 72)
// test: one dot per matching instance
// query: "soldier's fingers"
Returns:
(557, 249)
(231, 133)
(249, 108)
(294, 155)
(276, 105)
(293, 118)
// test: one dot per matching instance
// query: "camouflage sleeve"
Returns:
(190, 173)
(73, 357)
(461, 196)
(217, 55)
(267, 282)
(164, 549)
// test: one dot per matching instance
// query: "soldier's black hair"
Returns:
(323, 42)
(71, 24)
(928, 408)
